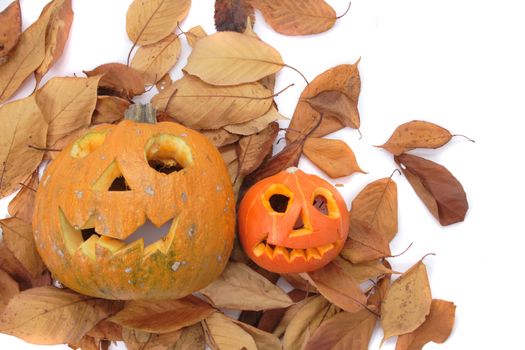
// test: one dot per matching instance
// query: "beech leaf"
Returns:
(192, 338)
(255, 125)
(229, 58)
(232, 15)
(67, 104)
(436, 328)
(106, 330)
(252, 149)
(11, 21)
(22, 126)
(162, 316)
(8, 289)
(194, 34)
(223, 334)
(337, 104)
(220, 137)
(334, 157)
(23, 204)
(109, 109)
(271, 318)
(118, 79)
(407, 302)
(48, 315)
(439, 190)
(363, 271)
(148, 21)
(263, 340)
(364, 243)
(155, 60)
(292, 17)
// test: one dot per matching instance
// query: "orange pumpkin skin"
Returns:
(267, 232)
(195, 203)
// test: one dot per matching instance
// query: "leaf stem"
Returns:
(403, 252)
(347, 9)
(295, 69)
(27, 187)
(468, 138)
(44, 149)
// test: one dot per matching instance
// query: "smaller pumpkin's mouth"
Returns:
(291, 254)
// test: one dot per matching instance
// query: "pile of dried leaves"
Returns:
(226, 93)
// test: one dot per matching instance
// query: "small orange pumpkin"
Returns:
(292, 222)
(113, 180)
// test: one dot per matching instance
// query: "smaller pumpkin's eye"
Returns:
(323, 200)
(279, 202)
(320, 203)
(87, 144)
(168, 153)
(277, 198)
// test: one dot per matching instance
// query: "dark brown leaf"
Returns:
(192, 338)
(252, 149)
(118, 80)
(8, 289)
(337, 104)
(109, 109)
(364, 243)
(271, 317)
(11, 27)
(106, 330)
(231, 15)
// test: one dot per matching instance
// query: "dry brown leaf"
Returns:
(22, 126)
(194, 34)
(334, 157)
(298, 282)
(364, 243)
(288, 316)
(63, 142)
(416, 134)
(23, 204)
(436, 328)
(18, 237)
(11, 28)
(337, 104)
(271, 318)
(192, 338)
(239, 287)
(8, 289)
(253, 149)
(407, 302)
(376, 207)
(439, 190)
(24, 59)
(86, 343)
(255, 125)
(343, 78)
(60, 16)
(344, 331)
(232, 15)
(118, 80)
(263, 340)
(67, 104)
(162, 316)
(306, 320)
(109, 109)
(149, 21)
(48, 315)
(106, 330)
(163, 82)
(139, 340)
(198, 105)
(364, 271)
(220, 137)
(229, 58)
(380, 289)
(155, 60)
(292, 17)
(339, 287)
(223, 334)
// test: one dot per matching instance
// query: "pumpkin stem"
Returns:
(141, 113)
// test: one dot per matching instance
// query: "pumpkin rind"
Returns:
(195, 202)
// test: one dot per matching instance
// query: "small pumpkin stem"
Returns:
(141, 113)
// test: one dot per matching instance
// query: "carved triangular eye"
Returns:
(119, 184)
(111, 180)
(279, 202)
(320, 203)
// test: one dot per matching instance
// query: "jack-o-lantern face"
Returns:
(292, 222)
(96, 194)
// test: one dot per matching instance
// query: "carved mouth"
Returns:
(290, 254)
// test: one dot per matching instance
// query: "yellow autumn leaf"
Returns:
(255, 125)
(224, 334)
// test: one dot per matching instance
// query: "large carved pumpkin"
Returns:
(117, 178)
(293, 222)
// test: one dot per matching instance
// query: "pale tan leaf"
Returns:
(364, 243)
(223, 334)
(436, 328)
(67, 104)
(60, 16)
(109, 109)
(263, 340)
(164, 82)
(293, 17)
(255, 125)
(63, 142)
(139, 340)
(364, 271)
(18, 237)
(376, 207)
(155, 60)
(220, 137)
(11, 27)
(288, 316)
(48, 315)
(162, 316)
(118, 79)
(198, 105)
(229, 58)
(334, 157)
(254, 148)
(8, 289)
(271, 318)
(194, 34)
(407, 302)
(192, 338)
(239, 287)
(149, 21)
(23, 204)
(24, 59)
(106, 330)
(22, 126)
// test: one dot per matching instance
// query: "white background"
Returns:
(457, 63)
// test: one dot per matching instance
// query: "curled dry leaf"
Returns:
(23, 204)
(192, 338)
(106, 330)
(416, 134)
(376, 207)
(292, 17)
(118, 79)
(436, 328)
(253, 149)
(109, 109)
(334, 157)
(67, 104)
(344, 79)
(271, 318)
(407, 302)
(364, 243)
(22, 126)
(239, 287)
(263, 340)
(229, 58)
(18, 237)
(155, 60)
(364, 271)
(48, 315)
(194, 34)
(255, 125)
(11, 21)
(299, 282)
(288, 316)
(220, 137)
(198, 105)
(223, 334)
(60, 16)
(149, 21)
(232, 15)
(162, 316)
(441, 192)
(8, 289)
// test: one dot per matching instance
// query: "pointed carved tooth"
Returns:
(325, 248)
(312, 253)
(259, 249)
(137, 246)
(296, 253)
(88, 248)
(110, 244)
(282, 251)
(269, 251)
